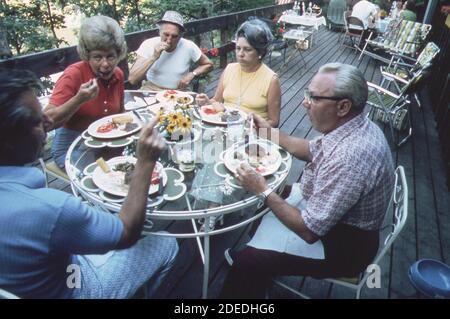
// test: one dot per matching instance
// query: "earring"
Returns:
(260, 57)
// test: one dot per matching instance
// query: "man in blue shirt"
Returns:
(45, 234)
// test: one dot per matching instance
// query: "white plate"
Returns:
(113, 182)
(216, 117)
(265, 165)
(135, 104)
(115, 133)
(172, 96)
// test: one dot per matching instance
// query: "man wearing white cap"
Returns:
(164, 61)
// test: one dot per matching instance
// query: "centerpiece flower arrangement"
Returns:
(175, 125)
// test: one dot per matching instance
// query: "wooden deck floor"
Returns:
(427, 232)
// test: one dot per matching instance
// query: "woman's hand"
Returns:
(87, 91)
(202, 99)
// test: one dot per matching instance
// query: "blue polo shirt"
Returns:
(41, 229)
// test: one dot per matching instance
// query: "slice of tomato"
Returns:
(209, 110)
(105, 128)
(155, 178)
(260, 169)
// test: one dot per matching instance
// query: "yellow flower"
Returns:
(174, 117)
(185, 125)
(171, 128)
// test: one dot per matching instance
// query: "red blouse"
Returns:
(110, 99)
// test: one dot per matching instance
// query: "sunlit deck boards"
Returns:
(427, 232)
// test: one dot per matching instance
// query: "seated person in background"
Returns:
(90, 89)
(365, 11)
(164, 61)
(48, 236)
(397, 10)
(408, 12)
(329, 225)
(249, 84)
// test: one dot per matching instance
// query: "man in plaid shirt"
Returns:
(329, 225)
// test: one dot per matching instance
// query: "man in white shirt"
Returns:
(165, 61)
(364, 10)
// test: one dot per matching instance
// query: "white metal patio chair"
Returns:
(394, 221)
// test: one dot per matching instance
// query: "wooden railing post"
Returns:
(223, 41)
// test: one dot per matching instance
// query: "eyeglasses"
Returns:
(315, 98)
(97, 58)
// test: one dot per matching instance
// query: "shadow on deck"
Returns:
(427, 232)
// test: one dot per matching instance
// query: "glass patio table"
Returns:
(208, 192)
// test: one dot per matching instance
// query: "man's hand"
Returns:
(185, 80)
(150, 143)
(87, 91)
(160, 47)
(202, 99)
(263, 128)
(250, 179)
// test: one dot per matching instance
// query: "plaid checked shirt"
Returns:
(350, 178)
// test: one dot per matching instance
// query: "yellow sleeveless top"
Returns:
(250, 89)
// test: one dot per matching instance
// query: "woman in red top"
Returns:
(90, 89)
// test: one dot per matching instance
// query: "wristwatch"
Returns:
(263, 196)
(195, 73)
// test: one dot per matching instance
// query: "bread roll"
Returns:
(122, 119)
(103, 165)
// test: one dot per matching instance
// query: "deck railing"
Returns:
(56, 60)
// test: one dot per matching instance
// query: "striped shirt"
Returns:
(350, 178)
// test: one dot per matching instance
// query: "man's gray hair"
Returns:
(350, 83)
(101, 33)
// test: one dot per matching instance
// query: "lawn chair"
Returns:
(401, 37)
(400, 70)
(392, 108)
(394, 221)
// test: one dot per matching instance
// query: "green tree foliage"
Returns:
(30, 27)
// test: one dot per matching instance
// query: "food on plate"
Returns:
(128, 169)
(208, 110)
(130, 126)
(254, 155)
(105, 128)
(183, 100)
(103, 165)
(122, 119)
(230, 115)
(169, 92)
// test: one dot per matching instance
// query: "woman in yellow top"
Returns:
(249, 84)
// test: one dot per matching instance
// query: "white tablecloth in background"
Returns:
(303, 20)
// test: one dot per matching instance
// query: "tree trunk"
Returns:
(52, 26)
(5, 51)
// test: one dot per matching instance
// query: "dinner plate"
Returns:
(174, 97)
(266, 163)
(118, 131)
(114, 181)
(205, 113)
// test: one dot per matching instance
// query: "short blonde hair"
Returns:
(101, 33)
